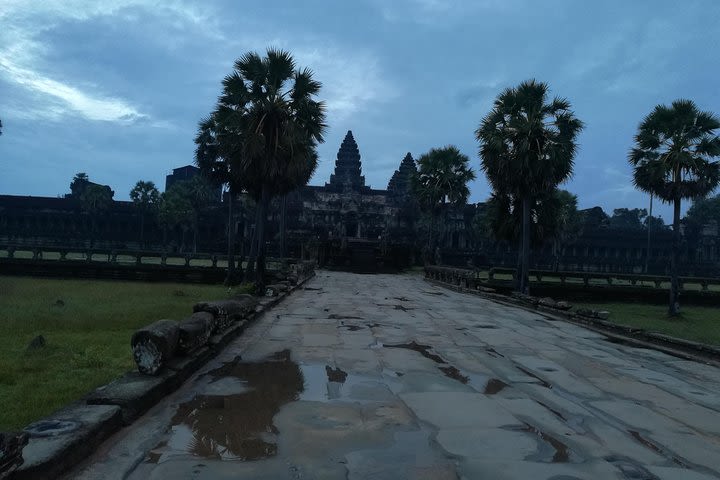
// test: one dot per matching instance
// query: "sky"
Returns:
(116, 88)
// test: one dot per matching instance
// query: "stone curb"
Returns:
(689, 350)
(110, 407)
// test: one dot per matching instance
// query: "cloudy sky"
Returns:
(116, 88)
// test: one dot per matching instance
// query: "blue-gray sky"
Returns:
(116, 88)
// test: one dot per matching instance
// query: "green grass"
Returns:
(699, 324)
(87, 325)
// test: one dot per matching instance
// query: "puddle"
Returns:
(530, 374)
(154, 455)
(450, 371)
(494, 352)
(651, 446)
(238, 426)
(395, 306)
(562, 453)
(630, 469)
(334, 316)
(433, 293)
(454, 373)
(352, 328)
(423, 350)
(493, 386)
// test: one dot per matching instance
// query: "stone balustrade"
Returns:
(474, 279)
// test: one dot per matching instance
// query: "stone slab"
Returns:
(135, 393)
(458, 409)
(493, 444)
(51, 452)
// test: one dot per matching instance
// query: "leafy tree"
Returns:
(176, 211)
(628, 219)
(702, 212)
(527, 146)
(263, 134)
(441, 179)
(200, 194)
(218, 157)
(674, 159)
(95, 200)
(146, 198)
(655, 223)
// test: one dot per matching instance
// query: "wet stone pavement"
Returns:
(380, 376)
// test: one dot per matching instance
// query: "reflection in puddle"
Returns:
(233, 419)
(238, 426)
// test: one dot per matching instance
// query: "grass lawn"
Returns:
(699, 324)
(87, 325)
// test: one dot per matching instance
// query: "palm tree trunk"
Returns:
(283, 227)
(230, 279)
(430, 255)
(252, 257)
(142, 230)
(674, 309)
(525, 263)
(260, 275)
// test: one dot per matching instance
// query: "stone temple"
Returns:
(345, 221)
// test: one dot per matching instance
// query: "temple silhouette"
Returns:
(347, 224)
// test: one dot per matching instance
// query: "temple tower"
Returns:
(347, 176)
(399, 185)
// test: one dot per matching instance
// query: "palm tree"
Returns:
(146, 197)
(673, 160)
(264, 132)
(78, 184)
(442, 178)
(527, 146)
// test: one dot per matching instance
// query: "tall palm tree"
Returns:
(527, 146)
(673, 159)
(441, 179)
(146, 198)
(266, 127)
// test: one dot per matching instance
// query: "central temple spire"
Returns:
(348, 168)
